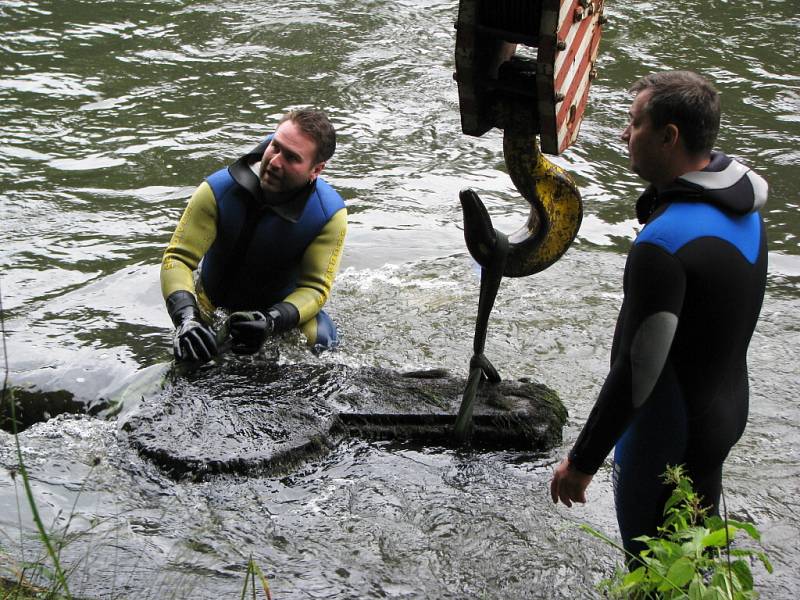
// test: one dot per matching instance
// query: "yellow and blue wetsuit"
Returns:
(253, 256)
(677, 391)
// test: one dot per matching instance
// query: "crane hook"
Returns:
(555, 214)
(556, 211)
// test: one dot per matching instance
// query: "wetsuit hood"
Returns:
(725, 183)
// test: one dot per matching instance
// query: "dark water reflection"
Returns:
(111, 112)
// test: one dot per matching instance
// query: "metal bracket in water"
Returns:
(480, 367)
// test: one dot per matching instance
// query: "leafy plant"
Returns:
(692, 557)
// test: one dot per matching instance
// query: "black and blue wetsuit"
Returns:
(677, 390)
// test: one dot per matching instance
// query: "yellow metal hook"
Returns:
(556, 206)
(555, 214)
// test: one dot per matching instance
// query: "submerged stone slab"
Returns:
(261, 418)
(423, 405)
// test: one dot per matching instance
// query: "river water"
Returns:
(111, 112)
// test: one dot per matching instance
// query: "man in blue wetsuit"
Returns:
(677, 390)
(262, 239)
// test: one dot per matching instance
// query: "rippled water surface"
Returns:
(112, 112)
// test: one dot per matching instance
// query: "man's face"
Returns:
(288, 162)
(645, 143)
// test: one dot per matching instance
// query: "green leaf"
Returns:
(673, 500)
(634, 577)
(748, 527)
(664, 586)
(763, 558)
(714, 522)
(667, 550)
(685, 486)
(719, 580)
(694, 537)
(719, 538)
(687, 561)
(742, 571)
(713, 593)
(681, 572)
(696, 589)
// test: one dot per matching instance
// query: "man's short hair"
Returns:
(315, 124)
(686, 100)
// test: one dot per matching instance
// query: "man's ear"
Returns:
(671, 135)
(317, 170)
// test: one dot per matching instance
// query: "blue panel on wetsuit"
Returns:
(220, 181)
(683, 222)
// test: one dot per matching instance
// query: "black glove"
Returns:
(249, 330)
(193, 340)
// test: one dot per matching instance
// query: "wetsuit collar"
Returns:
(646, 204)
(724, 182)
(290, 208)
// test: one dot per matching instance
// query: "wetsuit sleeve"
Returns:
(318, 267)
(193, 236)
(654, 290)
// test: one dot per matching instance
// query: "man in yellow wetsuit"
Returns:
(263, 239)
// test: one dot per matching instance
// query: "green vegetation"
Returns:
(691, 558)
(21, 588)
(254, 570)
(18, 591)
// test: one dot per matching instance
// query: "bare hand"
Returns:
(568, 484)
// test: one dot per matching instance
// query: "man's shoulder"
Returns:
(325, 187)
(330, 200)
(683, 222)
(220, 182)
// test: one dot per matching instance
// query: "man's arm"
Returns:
(318, 267)
(192, 238)
(648, 321)
(193, 340)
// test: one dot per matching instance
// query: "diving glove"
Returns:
(250, 329)
(193, 341)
